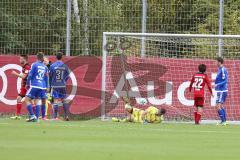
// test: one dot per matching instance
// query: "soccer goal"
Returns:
(157, 69)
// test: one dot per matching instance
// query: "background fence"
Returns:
(42, 25)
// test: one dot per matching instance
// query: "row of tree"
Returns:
(31, 25)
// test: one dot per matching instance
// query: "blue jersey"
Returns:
(221, 82)
(38, 76)
(59, 73)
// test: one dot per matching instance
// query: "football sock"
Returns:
(46, 109)
(34, 109)
(30, 110)
(55, 110)
(198, 118)
(195, 117)
(221, 114)
(65, 108)
(43, 110)
(38, 108)
(224, 114)
(19, 107)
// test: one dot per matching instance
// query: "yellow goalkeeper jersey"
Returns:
(151, 116)
(136, 115)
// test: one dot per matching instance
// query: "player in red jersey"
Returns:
(25, 70)
(198, 82)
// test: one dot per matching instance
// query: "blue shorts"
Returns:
(59, 93)
(221, 97)
(36, 93)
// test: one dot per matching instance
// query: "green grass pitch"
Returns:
(97, 140)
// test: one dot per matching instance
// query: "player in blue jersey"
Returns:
(221, 87)
(59, 73)
(45, 101)
(38, 83)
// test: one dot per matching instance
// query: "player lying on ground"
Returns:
(198, 82)
(133, 114)
(38, 84)
(59, 73)
(221, 87)
(150, 115)
(25, 70)
(153, 115)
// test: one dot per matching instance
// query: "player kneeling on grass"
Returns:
(153, 115)
(198, 83)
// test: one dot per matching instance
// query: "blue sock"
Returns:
(43, 110)
(55, 110)
(30, 110)
(65, 108)
(221, 115)
(38, 108)
(34, 109)
(224, 114)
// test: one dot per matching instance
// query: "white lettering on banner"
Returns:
(181, 95)
(5, 83)
(74, 87)
(134, 90)
(152, 99)
(19, 68)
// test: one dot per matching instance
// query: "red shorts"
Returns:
(22, 92)
(198, 101)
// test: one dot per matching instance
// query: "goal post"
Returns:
(162, 76)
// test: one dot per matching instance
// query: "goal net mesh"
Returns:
(159, 73)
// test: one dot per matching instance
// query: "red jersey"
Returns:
(198, 83)
(25, 70)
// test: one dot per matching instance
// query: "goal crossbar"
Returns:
(169, 35)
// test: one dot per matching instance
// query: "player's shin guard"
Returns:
(43, 110)
(38, 108)
(55, 110)
(19, 107)
(221, 115)
(30, 110)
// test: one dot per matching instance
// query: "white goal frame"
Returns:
(143, 35)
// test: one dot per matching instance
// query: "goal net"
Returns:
(157, 69)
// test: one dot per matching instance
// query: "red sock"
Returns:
(198, 118)
(195, 117)
(19, 107)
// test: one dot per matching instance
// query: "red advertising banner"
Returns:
(161, 81)
(84, 85)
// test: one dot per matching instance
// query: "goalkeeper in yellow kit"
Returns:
(134, 114)
(153, 115)
(150, 115)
